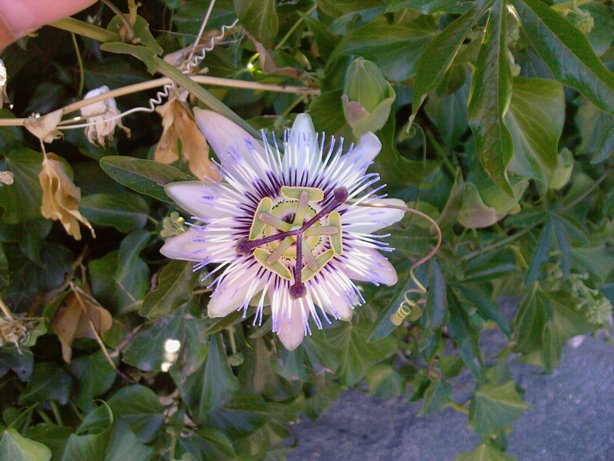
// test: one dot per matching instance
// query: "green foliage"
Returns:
(495, 118)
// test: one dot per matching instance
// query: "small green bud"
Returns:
(563, 170)
(172, 225)
(583, 20)
(367, 97)
(236, 359)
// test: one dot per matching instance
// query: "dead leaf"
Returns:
(61, 197)
(179, 125)
(45, 127)
(269, 66)
(76, 317)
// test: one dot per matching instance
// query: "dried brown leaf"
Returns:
(61, 197)
(179, 125)
(77, 318)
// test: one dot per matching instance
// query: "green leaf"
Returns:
(146, 55)
(424, 6)
(567, 52)
(449, 114)
(138, 407)
(597, 131)
(436, 397)
(394, 168)
(94, 375)
(22, 199)
(465, 336)
(48, 382)
(544, 323)
(146, 350)
(484, 452)
(437, 302)
(494, 407)
(120, 279)
(141, 32)
(213, 386)
(441, 51)
(14, 447)
(144, 176)
(385, 382)
(356, 356)
(489, 99)
(21, 362)
(541, 253)
(258, 17)
(174, 289)
(124, 445)
(208, 443)
(488, 309)
(535, 120)
(124, 211)
(394, 48)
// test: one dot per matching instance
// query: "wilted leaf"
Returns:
(61, 197)
(179, 126)
(80, 316)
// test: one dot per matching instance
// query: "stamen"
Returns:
(313, 265)
(274, 221)
(301, 209)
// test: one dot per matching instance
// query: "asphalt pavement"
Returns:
(571, 419)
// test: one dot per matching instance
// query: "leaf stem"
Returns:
(501, 243)
(85, 29)
(441, 154)
(293, 28)
(458, 408)
(587, 192)
(44, 417)
(80, 61)
(56, 412)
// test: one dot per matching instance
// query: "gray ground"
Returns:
(571, 419)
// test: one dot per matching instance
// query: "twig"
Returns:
(201, 30)
(6, 310)
(201, 79)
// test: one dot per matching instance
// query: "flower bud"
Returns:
(367, 97)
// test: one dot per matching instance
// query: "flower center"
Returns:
(289, 236)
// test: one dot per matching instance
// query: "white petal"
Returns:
(200, 199)
(363, 154)
(302, 128)
(188, 246)
(234, 292)
(231, 143)
(292, 331)
(368, 265)
(370, 219)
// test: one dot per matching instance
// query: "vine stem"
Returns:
(201, 79)
(80, 61)
(458, 407)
